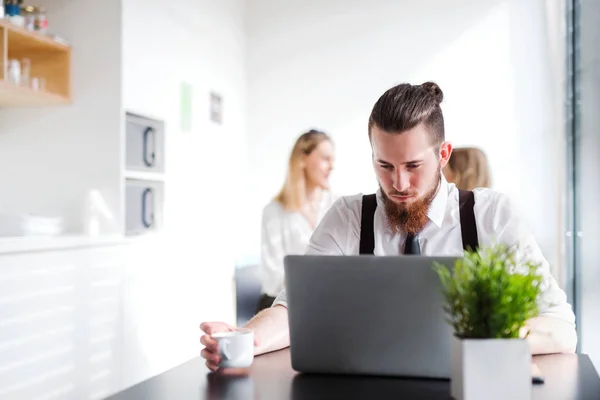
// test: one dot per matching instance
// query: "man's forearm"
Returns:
(548, 335)
(271, 329)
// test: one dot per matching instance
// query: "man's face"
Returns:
(408, 168)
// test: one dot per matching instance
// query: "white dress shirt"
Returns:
(339, 234)
(284, 232)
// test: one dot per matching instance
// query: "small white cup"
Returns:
(236, 348)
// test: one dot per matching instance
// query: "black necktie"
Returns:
(411, 246)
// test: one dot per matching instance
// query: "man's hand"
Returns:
(211, 346)
(270, 328)
(549, 335)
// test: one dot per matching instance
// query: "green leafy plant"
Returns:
(490, 293)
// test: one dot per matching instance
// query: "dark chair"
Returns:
(248, 291)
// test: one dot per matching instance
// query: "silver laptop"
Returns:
(368, 315)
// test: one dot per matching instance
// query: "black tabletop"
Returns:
(567, 377)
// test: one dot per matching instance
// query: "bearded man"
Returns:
(416, 211)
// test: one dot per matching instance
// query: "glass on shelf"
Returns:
(41, 20)
(38, 83)
(14, 72)
(29, 13)
(25, 71)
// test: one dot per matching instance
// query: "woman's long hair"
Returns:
(293, 192)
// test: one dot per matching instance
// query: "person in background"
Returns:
(468, 169)
(289, 220)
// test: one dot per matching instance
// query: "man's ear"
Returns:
(444, 153)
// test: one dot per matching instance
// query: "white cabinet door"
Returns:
(85, 323)
(60, 323)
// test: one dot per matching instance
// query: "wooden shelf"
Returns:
(32, 40)
(21, 96)
(50, 60)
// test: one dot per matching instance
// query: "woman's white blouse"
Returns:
(284, 232)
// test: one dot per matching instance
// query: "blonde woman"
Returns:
(468, 168)
(289, 220)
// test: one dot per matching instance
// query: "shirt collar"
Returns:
(437, 209)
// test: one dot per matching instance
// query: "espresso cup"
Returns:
(236, 348)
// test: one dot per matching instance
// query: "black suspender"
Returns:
(468, 226)
(367, 233)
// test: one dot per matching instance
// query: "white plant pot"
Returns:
(491, 369)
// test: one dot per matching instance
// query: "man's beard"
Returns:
(410, 217)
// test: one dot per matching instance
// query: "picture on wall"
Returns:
(216, 108)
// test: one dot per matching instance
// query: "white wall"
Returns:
(51, 157)
(324, 64)
(203, 44)
(186, 275)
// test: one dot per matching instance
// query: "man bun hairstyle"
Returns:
(434, 90)
(405, 106)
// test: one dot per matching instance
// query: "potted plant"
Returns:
(489, 295)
